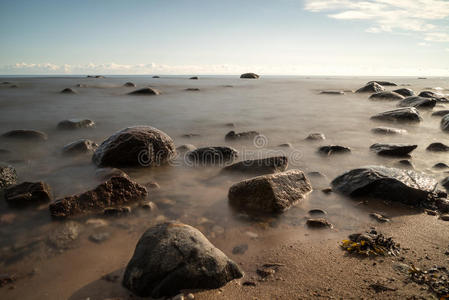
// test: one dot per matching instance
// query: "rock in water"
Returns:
(260, 166)
(148, 91)
(316, 136)
(247, 135)
(104, 174)
(249, 76)
(418, 102)
(8, 176)
(129, 84)
(444, 124)
(438, 147)
(393, 149)
(113, 192)
(212, 155)
(28, 194)
(384, 83)
(406, 186)
(185, 148)
(143, 146)
(408, 114)
(371, 87)
(156, 76)
(79, 147)
(194, 78)
(430, 94)
(332, 92)
(440, 113)
(405, 92)
(386, 95)
(68, 91)
(26, 134)
(171, 257)
(333, 149)
(270, 193)
(388, 130)
(76, 123)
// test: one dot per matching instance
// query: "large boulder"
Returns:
(79, 147)
(406, 186)
(333, 149)
(8, 176)
(172, 257)
(76, 123)
(386, 95)
(113, 192)
(444, 124)
(148, 91)
(384, 83)
(418, 102)
(212, 155)
(143, 146)
(250, 76)
(405, 92)
(437, 147)
(28, 194)
(430, 94)
(393, 149)
(270, 193)
(259, 166)
(26, 134)
(247, 135)
(371, 87)
(408, 114)
(388, 130)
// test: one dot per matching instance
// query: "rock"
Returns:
(429, 94)
(371, 87)
(148, 91)
(437, 147)
(406, 186)
(379, 218)
(444, 217)
(260, 166)
(104, 174)
(115, 191)
(149, 205)
(247, 135)
(445, 183)
(406, 163)
(193, 89)
(393, 149)
(171, 257)
(194, 78)
(405, 92)
(68, 91)
(99, 237)
(332, 92)
(250, 76)
(26, 134)
(63, 237)
(444, 124)
(156, 76)
(117, 211)
(318, 223)
(327, 190)
(95, 76)
(333, 149)
(185, 148)
(270, 193)
(442, 204)
(384, 83)
(76, 123)
(317, 212)
(79, 147)
(315, 136)
(28, 194)
(417, 102)
(264, 272)
(408, 114)
(240, 249)
(440, 166)
(212, 155)
(8, 176)
(386, 95)
(129, 84)
(151, 185)
(440, 113)
(143, 146)
(388, 130)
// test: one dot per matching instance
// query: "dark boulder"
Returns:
(372, 87)
(212, 155)
(444, 124)
(259, 166)
(406, 163)
(406, 186)
(113, 192)
(388, 131)
(443, 205)
(143, 146)
(156, 76)
(386, 95)
(393, 149)
(316, 136)
(8, 176)
(95, 76)
(79, 147)
(148, 91)
(26, 134)
(440, 113)
(333, 149)
(384, 83)
(194, 78)
(418, 102)
(28, 194)
(129, 84)
(429, 94)
(68, 91)
(76, 123)
(273, 193)
(408, 114)
(440, 166)
(172, 257)
(438, 147)
(247, 135)
(405, 92)
(249, 76)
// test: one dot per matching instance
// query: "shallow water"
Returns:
(282, 109)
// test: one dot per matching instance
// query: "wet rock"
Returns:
(149, 205)
(148, 91)
(408, 114)
(117, 211)
(247, 135)
(406, 186)
(104, 174)
(440, 166)
(386, 95)
(393, 149)
(8, 176)
(442, 204)
(129, 84)
(76, 124)
(185, 148)
(285, 145)
(171, 257)
(194, 78)
(445, 183)
(405, 92)
(99, 237)
(417, 102)
(240, 249)
(388, 130)
(406, 163)
(333, 149)
(333, 92)
(383, 83)
(444, 124)
(270, 193)
(444, 217)
(429, 94)
(63, 237)
(68, 91)
(317, 212)
(156, 76)
(327, 190)
(315, 136)
(115, 191)
(318, 223)
(212, 155)
(379, 218)
(28, 194)
(440, 113)
(372, 87)
(437, 147)
(95, 76)
(79, 147)
(26, 134)
(143, 146)
(249, 76)
(260, 166)
(193, 89)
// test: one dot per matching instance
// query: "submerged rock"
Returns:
(333, 149)
(444, 124)
(250, 76)
(408, 114)
(194, 78)
(115, 191)
(68, 91)
(26, 134)
(185, 148)
(429, 94)
(318, 223)
(212, 155)
(192, 89)
(171, 257)
(316, 136)
(129, 84)
(270, 193)
(438, 147)
(28, 194)
(406, 163)
(384, 83)
(418, 102)
(388, 130)
(143, 146)
(331, 92)
(440, 166)
(387, 95)
(247, 135)
(8, 176)
(371, 87)
(440, 113)
(76, 123)
(260, 166)
(65, 235)
(405, 92)
(104, 174)
(148, 91)
(79, 147)
(393, 149)
(406, 186)
(156, 76)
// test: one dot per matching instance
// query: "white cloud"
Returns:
(423, 44)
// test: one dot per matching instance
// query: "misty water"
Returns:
(282, 109)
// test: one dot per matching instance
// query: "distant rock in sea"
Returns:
(250, 76)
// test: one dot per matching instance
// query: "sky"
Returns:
(270, 37)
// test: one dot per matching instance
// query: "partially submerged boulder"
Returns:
(440, 113)
(82, 146)
(172, 257)
(438, 147)
(28, 194)
(250, 76)
(384, 83)
(393, 149)
(8, 176)
(418, 102)
(273, 193)
(143, 146)
(129, 84)
(386, 95)
(430, 94)
(247, 135)
(113, 192)
(333, 149)
(68, 91)
(148, 91)
(212, 155)
(194, 78)
(76, 124)
(407, 114)
(26, 134)
(332, 92)
(444, 124)
(316, 136)
(371, 87)
(388, 130)
(405, 92)
(259, 166)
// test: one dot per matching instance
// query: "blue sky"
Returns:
(310, 37)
